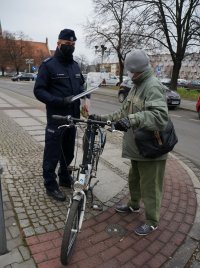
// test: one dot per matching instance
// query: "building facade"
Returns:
(163, 66)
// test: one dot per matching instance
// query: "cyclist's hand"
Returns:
(94, 117)
(68, 100)
(123, 124)
(84, 111)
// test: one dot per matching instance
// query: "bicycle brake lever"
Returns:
(112, 128)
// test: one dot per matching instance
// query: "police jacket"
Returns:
(145, 106)
(56, 80)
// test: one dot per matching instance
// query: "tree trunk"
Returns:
(121, 69)
(175, 74)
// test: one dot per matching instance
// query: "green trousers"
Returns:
(146, 184)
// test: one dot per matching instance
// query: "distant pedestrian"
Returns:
(59, 79)
(144, 107)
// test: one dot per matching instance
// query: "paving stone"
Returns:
(14, 243)
(25, 252)
(14, 231)
(11, 257)
(26, 122)
(27, 264)
(40, 230)
(24, 223)
(29, 231)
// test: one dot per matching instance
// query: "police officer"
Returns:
(59, 79)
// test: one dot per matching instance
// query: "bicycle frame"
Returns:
(87, 171)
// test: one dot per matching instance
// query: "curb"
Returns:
(184, 253)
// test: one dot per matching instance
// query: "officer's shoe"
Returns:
(56, 194)
(126, 208)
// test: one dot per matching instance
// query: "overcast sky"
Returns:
(45, 18)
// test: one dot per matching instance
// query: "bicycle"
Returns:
(93, 145)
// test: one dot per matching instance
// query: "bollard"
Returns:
(3, 247)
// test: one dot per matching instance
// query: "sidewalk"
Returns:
(34, 221)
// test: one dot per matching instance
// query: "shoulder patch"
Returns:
(48, 59)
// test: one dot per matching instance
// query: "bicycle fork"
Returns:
(78, 196)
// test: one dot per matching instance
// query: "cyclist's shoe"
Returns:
(125, 208)
(56, 194)
(145, 229)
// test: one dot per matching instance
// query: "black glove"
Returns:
(123, 124)
(68, 100)
(93, 117)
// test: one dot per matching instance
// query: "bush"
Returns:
(188, 94)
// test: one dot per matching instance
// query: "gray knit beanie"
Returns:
(136, 61)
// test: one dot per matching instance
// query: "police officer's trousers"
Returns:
(146, 184)
(54, 153)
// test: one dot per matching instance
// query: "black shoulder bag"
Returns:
(152, 144)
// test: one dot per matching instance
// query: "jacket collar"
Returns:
(143, 76)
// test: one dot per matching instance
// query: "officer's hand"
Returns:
(68, 100)
(123, 124)
(94, 117)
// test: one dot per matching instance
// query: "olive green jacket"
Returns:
(145, 106)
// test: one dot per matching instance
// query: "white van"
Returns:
(94, 78)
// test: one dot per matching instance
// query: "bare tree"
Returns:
(17, 49)
(82, 61)
(112, 26)
(4, 57)
(171, 25)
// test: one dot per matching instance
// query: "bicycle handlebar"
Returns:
(68, 119)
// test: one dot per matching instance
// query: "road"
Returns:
(186, 123)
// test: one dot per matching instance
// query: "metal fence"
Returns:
(3, 246)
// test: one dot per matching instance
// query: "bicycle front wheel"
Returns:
(71, 230)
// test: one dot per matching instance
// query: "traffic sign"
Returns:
(29, 61)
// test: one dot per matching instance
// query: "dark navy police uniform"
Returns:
(56, 80)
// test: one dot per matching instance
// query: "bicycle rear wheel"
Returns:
(71, 230)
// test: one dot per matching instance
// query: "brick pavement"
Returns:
(97, 248)
(34, 221)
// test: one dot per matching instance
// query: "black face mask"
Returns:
(67, 50)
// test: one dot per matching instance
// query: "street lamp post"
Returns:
(102, 50)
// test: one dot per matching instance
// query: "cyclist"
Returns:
(145, 106)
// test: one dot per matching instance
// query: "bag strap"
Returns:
(157, 135)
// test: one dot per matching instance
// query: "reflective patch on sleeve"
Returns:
(50, 130)
(48, 59)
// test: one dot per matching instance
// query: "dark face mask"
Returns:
(67, 50)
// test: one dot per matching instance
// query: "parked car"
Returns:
(198, 106)
(16, 77)
(10, 74)
(124, 77)
(182, 82)
(124, 89)
(112, 80)
(24, 77)
(194, 84)
(172, 97)
(165, 81)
